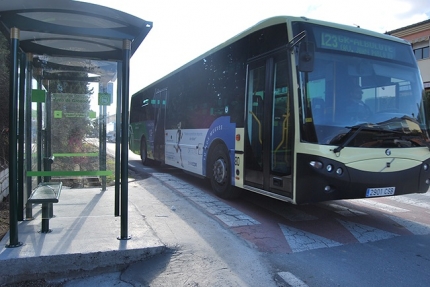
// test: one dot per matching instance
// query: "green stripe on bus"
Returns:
(75, 154)
(70, 173)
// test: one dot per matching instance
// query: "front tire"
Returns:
(220, 169)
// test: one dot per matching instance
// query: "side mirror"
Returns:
(306, 56)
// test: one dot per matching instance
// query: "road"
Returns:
(363, 242)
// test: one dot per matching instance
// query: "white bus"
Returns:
(295, 109)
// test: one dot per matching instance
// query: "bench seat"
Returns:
(46, 193)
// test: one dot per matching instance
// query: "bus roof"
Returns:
(274, 21)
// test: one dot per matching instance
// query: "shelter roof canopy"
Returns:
(72, 28)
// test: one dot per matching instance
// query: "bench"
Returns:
(46, 193)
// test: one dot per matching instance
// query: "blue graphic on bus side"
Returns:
(224, 130)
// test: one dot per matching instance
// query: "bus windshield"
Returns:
(359, 80)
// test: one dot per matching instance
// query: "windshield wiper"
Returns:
(352, 134)
(350, 138)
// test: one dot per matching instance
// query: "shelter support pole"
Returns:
(118, 129)
(13, 105)
(104, 152)
(102, 143)
(101, 119)
(102, 136)
(39, 128)
(124, 138)
(21, 109)
(28, 135)
(48, 143)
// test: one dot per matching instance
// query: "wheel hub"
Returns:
(219, 170)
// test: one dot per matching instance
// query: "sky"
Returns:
(184, 29)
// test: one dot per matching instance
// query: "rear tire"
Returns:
(220, 173)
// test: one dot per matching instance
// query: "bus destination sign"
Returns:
(357, 44)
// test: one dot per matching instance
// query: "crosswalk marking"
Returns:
(415, 228)
(379, 205)
(300, 240)
(410, 201)
(230, 216)
(364, 233)
(292, 280)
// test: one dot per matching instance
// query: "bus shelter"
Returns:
(60, 51)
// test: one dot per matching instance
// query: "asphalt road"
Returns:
(364, 242)
(258, 241)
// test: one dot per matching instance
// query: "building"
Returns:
(418, 35)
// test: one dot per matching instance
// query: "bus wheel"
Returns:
(221, 174)
(144, 152)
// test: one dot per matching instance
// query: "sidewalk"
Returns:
(83, 239)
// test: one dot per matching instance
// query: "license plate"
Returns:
(380, 191)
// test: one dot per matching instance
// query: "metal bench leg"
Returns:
(51, 210)
(45, 218)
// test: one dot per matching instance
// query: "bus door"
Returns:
(160, 98)
(268, 140)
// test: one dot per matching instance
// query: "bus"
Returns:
(295, 109)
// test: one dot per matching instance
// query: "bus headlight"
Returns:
(329, 168)
(339, 171)
(425, 166)
(316, 164)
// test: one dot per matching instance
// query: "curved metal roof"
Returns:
(72, 36)
(72, 28)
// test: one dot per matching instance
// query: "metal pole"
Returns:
(39, 130)
(21, 110)
(118, 129)
(48, 127)
(28, 135)
(124, 139)
(13, 104)
(100, 134)
(104, 147)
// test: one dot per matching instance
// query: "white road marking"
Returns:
(342, 210)
(292, 280)
(364, 233)
(378, 205)
(414, 227)
(230, 216)
(410, 201)
(300, 240)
